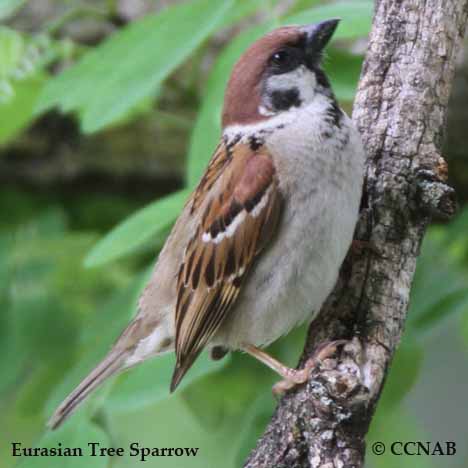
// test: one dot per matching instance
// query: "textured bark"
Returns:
(400, 110)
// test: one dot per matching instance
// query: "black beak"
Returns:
(317, 36)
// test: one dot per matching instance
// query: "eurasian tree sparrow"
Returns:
(257, 248)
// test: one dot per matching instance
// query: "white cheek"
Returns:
(262, 110)
(301, 78)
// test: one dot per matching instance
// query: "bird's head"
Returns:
(280, 71)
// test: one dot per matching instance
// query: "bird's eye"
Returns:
(281, 57)
(284, 60)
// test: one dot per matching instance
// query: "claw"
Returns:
(299, 376)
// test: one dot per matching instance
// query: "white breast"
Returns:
(321, 181)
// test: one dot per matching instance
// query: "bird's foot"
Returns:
(294, 377)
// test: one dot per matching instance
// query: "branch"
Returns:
(400, 110)
(53, 154)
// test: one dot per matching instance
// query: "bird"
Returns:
(259, 244)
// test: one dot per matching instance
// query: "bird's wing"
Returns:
(240, 213)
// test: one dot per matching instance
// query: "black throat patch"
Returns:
(284, 99)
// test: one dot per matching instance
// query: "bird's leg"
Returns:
(293, 377)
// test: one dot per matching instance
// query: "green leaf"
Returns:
(403, 374)
(137, 229)
(344, 70)
(22, 76)
(71, 436)
(390, 426)
(11, 365)
(130, 66)
(12, 47)
(45, 328)
(8, 7)
(453, 237)
(149, 382)
(95, 341)
(464, 328)
(240, 9)
(258, 416)
(227, 393)
(439, 289)
(171, 424)
(356, 17)
(452, 304)
(19, 107)
(300, 5)
(33, 324)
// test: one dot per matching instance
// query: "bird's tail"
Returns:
(112, 364)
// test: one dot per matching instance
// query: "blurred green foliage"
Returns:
(64, 296)
(112, 78)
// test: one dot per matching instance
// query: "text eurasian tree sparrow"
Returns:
(257, 248)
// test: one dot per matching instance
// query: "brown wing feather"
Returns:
(235, 226)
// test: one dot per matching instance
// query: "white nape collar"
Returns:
(320, 104)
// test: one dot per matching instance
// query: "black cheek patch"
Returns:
(285, 99)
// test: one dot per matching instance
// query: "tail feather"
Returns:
(112, 364)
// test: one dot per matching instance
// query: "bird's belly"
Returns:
(294, 276)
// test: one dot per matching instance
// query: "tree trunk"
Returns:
(400, 110)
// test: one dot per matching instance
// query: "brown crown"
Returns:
(243, 92)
